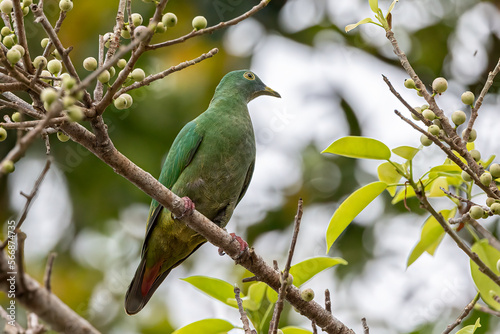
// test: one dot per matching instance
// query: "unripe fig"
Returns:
(112, 71)
(486, 178)
(495, 208)
(8, 166)
(120, 103)
(104, 77)
(169, 20)
(62, 136)
(26, 10)
(68, 82)
(19, 48)
(44, 42)
(434, 129)
(9, 41)
(476, 212)
(3, 134)
(458, 117)
(199, 22)
(40, 61)
(5, 31)
(495, 170)
(289, 279)
(136, 19)
(56, 54)
(128, 98)
(425, 140)
(439, 85)
(68, 101)
(466, 177)
(6, 6)
(410, 84)
(90, 64)
(437, 121)
(476, 155)
(160, 28)
(490, 201)
(27, 3)
(13, 56)
(472, 135)
(16, 117)
(75, 113)
(125, 33)
(468, 98)
(138, 74)
(141, 31)
(54, 66)
(121, 63)
(419, 110)
(307, 294)
(428, 114)
(66, 5)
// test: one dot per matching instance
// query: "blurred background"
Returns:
(331, 86)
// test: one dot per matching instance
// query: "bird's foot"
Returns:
(243, 244)
(188, 207)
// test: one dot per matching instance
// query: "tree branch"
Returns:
(462, 315)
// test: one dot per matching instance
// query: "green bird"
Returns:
(209, 164)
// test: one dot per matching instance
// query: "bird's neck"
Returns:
(228, 98)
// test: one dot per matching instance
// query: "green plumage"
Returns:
(211, 161)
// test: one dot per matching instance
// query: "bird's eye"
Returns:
(249, 75)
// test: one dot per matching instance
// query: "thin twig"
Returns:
(209, 30)
(479, 101)
(366, 329)
(460, 198)
(21, 35)
(314, 328)
(494, 242)
(462, 315)
(21, 237)
(6, 317)
(278, 308)
(486, 309)
(48, 271)
(328, 301)
(243, 314)
(31, 124)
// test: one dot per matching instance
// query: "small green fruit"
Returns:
(8, 166)
(17, 117)
(68, 101)
(468, 98)
(279, 331)
(121, 63)
(141, 31)
(68, 82)
(419, 110)
(476, 155)
(13, 56)
(410, 84)
(307, 294)
(26, 11)
(466, 177)
(439, 85)
(425, 140)
(9, 41)
(160, 28)
(136, 19)
(6, 6)
(169, 20)
(138, 74)
(5, 31)
(104, 77)
(44, 42)
(75, 113)
(434, 130)
(62, 136)
(66, 5)
(107, 39)
(289, 279)
(428, 114)
(128, 98)
(486, 178)
(495, 170)
(125, 33)
(90, 64)
(3, 134)
(476, 212)
(458, 117)
(40, 61)
(199, 22)
(112, 71)
(48, 95)
(495, 208)
(472, 135)
(437, 121)
(120, 103)
(20, 49)
(54, 66)
(490, 201)
(27, 3)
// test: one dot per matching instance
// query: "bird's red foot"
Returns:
(243, 243)
(188, 207)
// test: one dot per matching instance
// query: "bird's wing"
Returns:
(178, 158)
(248, 177)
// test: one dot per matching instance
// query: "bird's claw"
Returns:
(243, 244)
(188, 207)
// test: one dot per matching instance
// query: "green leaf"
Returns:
(436, 185)
(373, 5)
(349, 27)
(350, 208)
(307, 269)
(294, 330)
(391, 7)
(470, 329)
(489, 161)
(359, 147)
(430, 237)
(401, 194)
(206, 326)
(387, 173)
(253, 300)
(271, 295)
(490, 256)
(213, 287)
(406, 152)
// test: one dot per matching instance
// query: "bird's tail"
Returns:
(143, 285)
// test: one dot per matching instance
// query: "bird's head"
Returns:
(247, 83)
